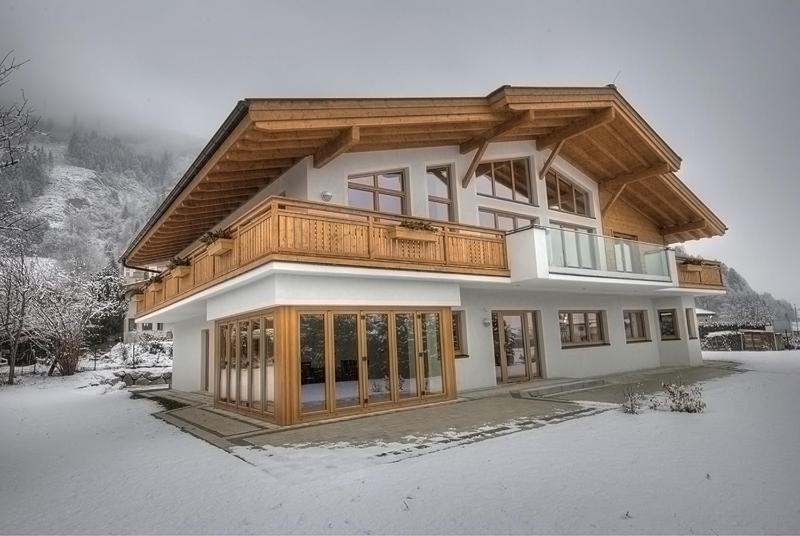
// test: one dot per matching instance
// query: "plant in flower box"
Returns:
(179, 267)
(156, 283)
(421, 231)
(217, 242)
(692, 263)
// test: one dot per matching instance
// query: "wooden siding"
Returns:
(622, 218)
(299, 231)
(707, 275)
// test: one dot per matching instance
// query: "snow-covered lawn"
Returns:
(90, 460)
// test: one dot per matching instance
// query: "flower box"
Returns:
(398, 232)
(137, 298)
(693, 267)
(181, 271)
(155, 287)
(220, 246)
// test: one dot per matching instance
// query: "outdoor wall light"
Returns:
(326, 195)
(487, 322)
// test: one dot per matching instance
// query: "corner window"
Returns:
(459, 334)
(564, 196)
(635, 326)
(581, 328)
(381, 192)
(505, 179)
(691, 322)
(440, 193)
(668, 323)
(502, 221)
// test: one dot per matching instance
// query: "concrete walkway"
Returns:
(476, 415)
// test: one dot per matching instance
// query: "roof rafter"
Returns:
(342, 143)
(515, 121)
(577, 128)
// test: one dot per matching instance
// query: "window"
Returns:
(502, 221)
(691, 322)
(440, 193)
(159, 327)
(382, 192)
(147, 326)
(635, 326)
(667, 320)
(581, 328)
(131, 324)
(563, 195)
(459, 335)
(506, 179)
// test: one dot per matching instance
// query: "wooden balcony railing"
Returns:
(281, 229)
(705, 274)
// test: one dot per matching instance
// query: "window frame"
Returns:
(450, 201)
(459, 334)
(159, 326)
(645, 325)
(495, 213)
(513, 199)
(675, 326)
(561, 177)
(376, 190)
(601, 325)
(691, 323)
(131, 324)
(147, 326)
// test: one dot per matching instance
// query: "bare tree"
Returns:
(16, 119)
(18, 292)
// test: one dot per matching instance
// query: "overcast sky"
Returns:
(718, 80)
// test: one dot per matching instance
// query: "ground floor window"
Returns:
(635, 326)
(246, 364)
(131, 324)
(668, 324)
(459, 334)
(147, 326)
(581, 328)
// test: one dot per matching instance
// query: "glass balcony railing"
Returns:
(572, 251)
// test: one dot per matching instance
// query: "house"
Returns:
(133, 281)
(372, 254)
(704, 315)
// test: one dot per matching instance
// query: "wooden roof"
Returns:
(593, 128)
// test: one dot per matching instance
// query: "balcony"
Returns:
(556, 258)
(699, 273)
(287, 230)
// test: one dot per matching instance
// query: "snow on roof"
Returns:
(699, 311)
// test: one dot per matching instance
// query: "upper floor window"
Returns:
(502, 221)
(440, 193)
(382, 192)
(564, 196)
(505, 179)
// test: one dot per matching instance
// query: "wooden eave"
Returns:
(263, 138)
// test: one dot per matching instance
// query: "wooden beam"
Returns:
(636, 175)
(551, 157)
(256, 165)
(516, 121)
(612, 201)
(474, 164)
(697, 225)
(576, 128)
(338, 145)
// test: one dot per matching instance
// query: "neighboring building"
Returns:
(704, 315)
(135, 280)
(390, 252)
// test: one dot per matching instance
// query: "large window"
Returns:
(502, 221)
(635, 326)
(383, 192)
(506, 179)
(440, 193)
(564, 196)
(581, 328)
(668, 322)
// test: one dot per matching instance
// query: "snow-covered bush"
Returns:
(680, 397)
(722, 341)
(633, 399)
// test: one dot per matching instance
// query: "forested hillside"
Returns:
(92, 190)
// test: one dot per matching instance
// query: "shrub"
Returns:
(681, 397)
(417, 225)
(177, 261)
(633, 399)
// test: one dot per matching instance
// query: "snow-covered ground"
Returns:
(91, 460)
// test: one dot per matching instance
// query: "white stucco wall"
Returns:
(186, 354)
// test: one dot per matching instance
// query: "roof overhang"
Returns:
(593, 128)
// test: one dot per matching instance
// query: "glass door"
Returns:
(515, 345)
(431, 353)
(379, 372)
